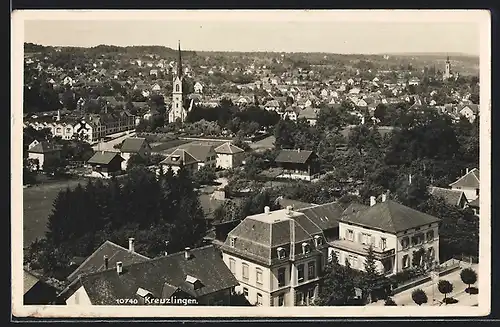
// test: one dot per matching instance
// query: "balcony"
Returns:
(362, 249)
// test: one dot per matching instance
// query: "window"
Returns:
(281, 253)
(383, 243)
(245, 270)
(405, 242)
(305, 248)
(365, 239)
(310, 294)
(318, 240)
(430, 236)
(477, 192)
(231, 241)
(177, 88)
(406, 261)
(232, 265)
(281, 300)
(281, 277)
(259, 275)
(299, 298)
(311, 273)
(259, 299)
(350, 235)
(300, 273)
(245, 291)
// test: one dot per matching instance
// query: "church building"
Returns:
(177, 111)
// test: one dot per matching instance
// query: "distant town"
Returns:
(249, 179)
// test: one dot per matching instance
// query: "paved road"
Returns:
(433, 294)
(108, 146)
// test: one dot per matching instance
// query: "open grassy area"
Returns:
(37, 205)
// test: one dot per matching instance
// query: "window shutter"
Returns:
(360, 237)
(373, 240)
(346, 232)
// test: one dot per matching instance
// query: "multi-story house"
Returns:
(277, 258)
(134, 146)
(298, 164)
(396, 233)
(468, 183)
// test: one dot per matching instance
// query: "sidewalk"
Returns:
(434, 296)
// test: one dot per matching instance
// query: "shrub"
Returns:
(419, 296)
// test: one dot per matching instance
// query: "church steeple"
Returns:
(179, 62)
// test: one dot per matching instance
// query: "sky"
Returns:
(354, 33)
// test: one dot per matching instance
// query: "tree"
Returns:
(135, 160)
(419, 296)
(468, 276)
(205, 175)
(371, 272)
(445, 287)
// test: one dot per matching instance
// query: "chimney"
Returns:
(187, 253)
(384, 197)
(119, 267)
(409, 179)
(267, 210)
(466, 171)
(298, 150)
(106, 262)
(131, 244)
(288, 210)
(372, 201)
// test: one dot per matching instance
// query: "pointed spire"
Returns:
(179, 62)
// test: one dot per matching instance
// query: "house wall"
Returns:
(224, 160)
(392, 241)
(470, 192)
(37, 156)
(80, 297)
(269, 288)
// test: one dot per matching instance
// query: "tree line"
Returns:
(152, 209)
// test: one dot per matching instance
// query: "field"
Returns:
(37, 205)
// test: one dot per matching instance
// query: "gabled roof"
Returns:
(325, 216)
(228, 148)
(133, 144)
(115, 253)
(390, 216)
(452, 197)
(178, 157)
(293, 156)
(198, 151)
(162, 276)
(471, 179)
(104, 157)
(295, 204)
(44, 147)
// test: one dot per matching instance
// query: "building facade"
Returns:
(400, 237)
(277, 258)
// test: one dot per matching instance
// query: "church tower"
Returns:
(177, 111)
(447, 69)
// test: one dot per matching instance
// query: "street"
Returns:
(433, 294)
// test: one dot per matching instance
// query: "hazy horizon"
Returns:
(262, 32)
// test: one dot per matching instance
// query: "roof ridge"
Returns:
(470, 171)
(88, 258)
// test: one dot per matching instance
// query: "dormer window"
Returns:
(143, 294)
(305, 248)
(318, 240)
(232, 240)
(195, 282)
(281, 253)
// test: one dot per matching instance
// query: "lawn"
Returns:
(37, 205)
